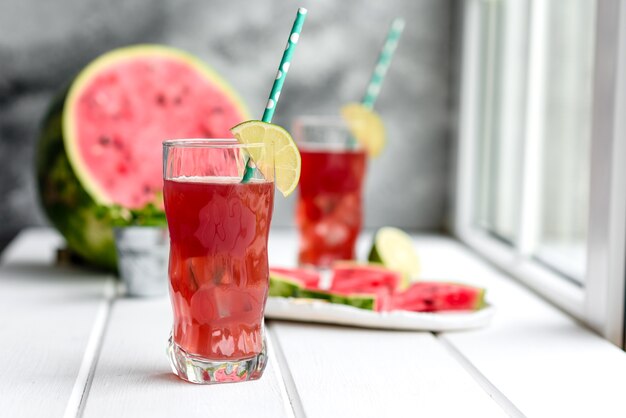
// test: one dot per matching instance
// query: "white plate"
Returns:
(309, 310)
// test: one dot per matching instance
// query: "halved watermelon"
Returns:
(439, 296)
(101, 140)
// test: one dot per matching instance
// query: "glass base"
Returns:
(204, 371)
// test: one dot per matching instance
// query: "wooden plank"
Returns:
(540, 359)
(133, 376)
(33, 246)
(340, 371)
(46, 319)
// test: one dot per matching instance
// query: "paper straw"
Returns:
(384, 60)
(281, 75)
(283, 68)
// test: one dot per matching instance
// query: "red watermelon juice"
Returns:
(329, 210)
(218, 264)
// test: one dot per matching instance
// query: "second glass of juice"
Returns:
(218, 266)
(329, 210)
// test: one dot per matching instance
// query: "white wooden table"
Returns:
(70, 346)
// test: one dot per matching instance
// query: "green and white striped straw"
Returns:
(285, 62)
(281, 75)
(384, 60)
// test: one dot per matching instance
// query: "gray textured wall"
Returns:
(42, 43)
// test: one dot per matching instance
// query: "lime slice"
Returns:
(286, 154)
(366, 126)
(394, 249)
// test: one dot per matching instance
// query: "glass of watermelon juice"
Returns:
(218, 266)
(329, 211)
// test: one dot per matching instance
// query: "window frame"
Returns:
(599, 303)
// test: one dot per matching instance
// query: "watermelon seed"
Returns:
(147, 189)
(121, 168)
(160, 99)
(104, 140)
(204, 130)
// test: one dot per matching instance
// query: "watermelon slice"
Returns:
(309, 278)
(373, 279)
(439, 296)
(304, 283)
(101, 140)
(373, 287)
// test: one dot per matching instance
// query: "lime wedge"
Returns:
(366, 126)
(394, 249)
(286, 154)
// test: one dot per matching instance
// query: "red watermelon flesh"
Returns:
(348, 276)
(351, 278)
(120, 113)
(438, 296)
(309, 278)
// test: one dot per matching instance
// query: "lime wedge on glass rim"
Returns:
(366, 126)
(394, 249)
(286, 155)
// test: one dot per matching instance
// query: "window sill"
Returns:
(558, 290)
(537, 357)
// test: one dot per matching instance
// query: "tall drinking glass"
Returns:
(329, 211)
(218, 267)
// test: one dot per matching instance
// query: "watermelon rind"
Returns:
(361, 301)
(314, 294)
(481, 302)
(68, 206)
(282, 286)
